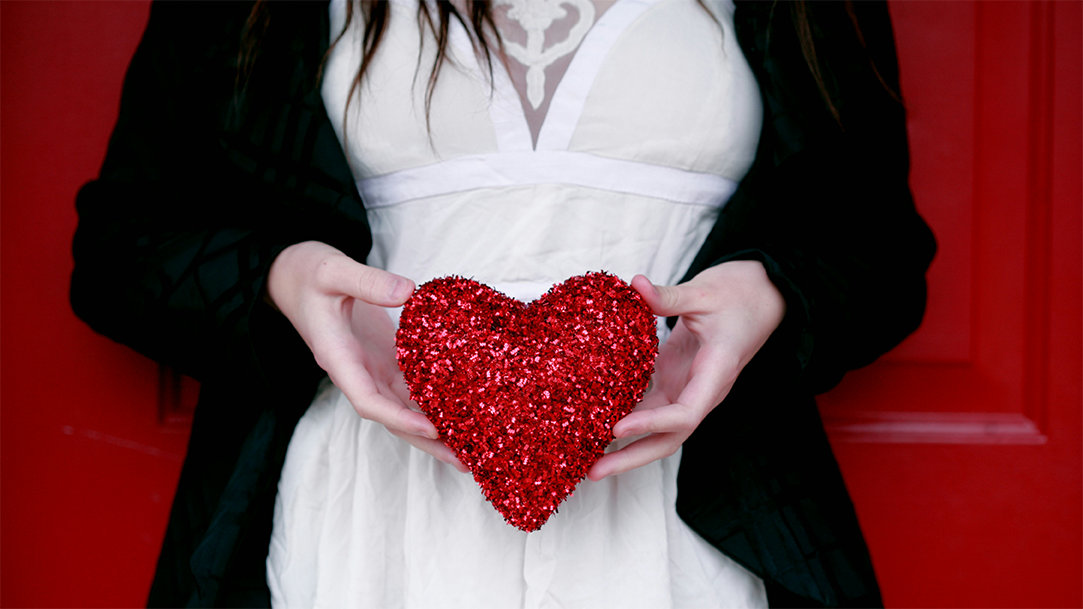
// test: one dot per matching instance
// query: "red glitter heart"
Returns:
(527, 394)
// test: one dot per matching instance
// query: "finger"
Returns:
(708, 383)
(436, 448)
(653, 399)
(679, 418)
(366, 399)
(395, 416)
(664, 301)
(712, 376)
(636, 454)
(370, 284)
(401, 391)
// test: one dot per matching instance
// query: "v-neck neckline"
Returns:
(569, 97)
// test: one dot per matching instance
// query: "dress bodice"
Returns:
(645, 137)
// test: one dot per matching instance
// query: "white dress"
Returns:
(646, 135)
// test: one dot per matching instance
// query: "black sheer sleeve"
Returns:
(827, 206)
(206, 179)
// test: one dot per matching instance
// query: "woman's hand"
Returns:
(727, 313)
(337, 306)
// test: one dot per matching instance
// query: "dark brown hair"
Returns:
(799, 15)
(375, 13)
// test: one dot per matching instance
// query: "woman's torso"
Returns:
(641, 141)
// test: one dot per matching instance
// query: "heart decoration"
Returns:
(526, 395)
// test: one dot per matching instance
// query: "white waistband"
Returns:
(546, 167)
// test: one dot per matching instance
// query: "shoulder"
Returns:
(218, 34)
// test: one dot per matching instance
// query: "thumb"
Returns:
(370, 284)
(664, 300)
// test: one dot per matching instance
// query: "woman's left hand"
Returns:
(726, 313)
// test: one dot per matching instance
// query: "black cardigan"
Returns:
(208, 176)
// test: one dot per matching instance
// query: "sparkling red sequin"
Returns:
(527, 394)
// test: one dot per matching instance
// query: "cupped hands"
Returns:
(725, 315)
(338, 306)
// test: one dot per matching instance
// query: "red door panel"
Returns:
(86, 469)
(962, 447)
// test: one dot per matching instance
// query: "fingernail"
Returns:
(400, 289)
(650, 283)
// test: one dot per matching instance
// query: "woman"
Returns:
(226, 234)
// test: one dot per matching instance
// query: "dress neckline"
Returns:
(570, 96)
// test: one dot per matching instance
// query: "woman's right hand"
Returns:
(337, 305)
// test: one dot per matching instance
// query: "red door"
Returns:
(962, 448)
